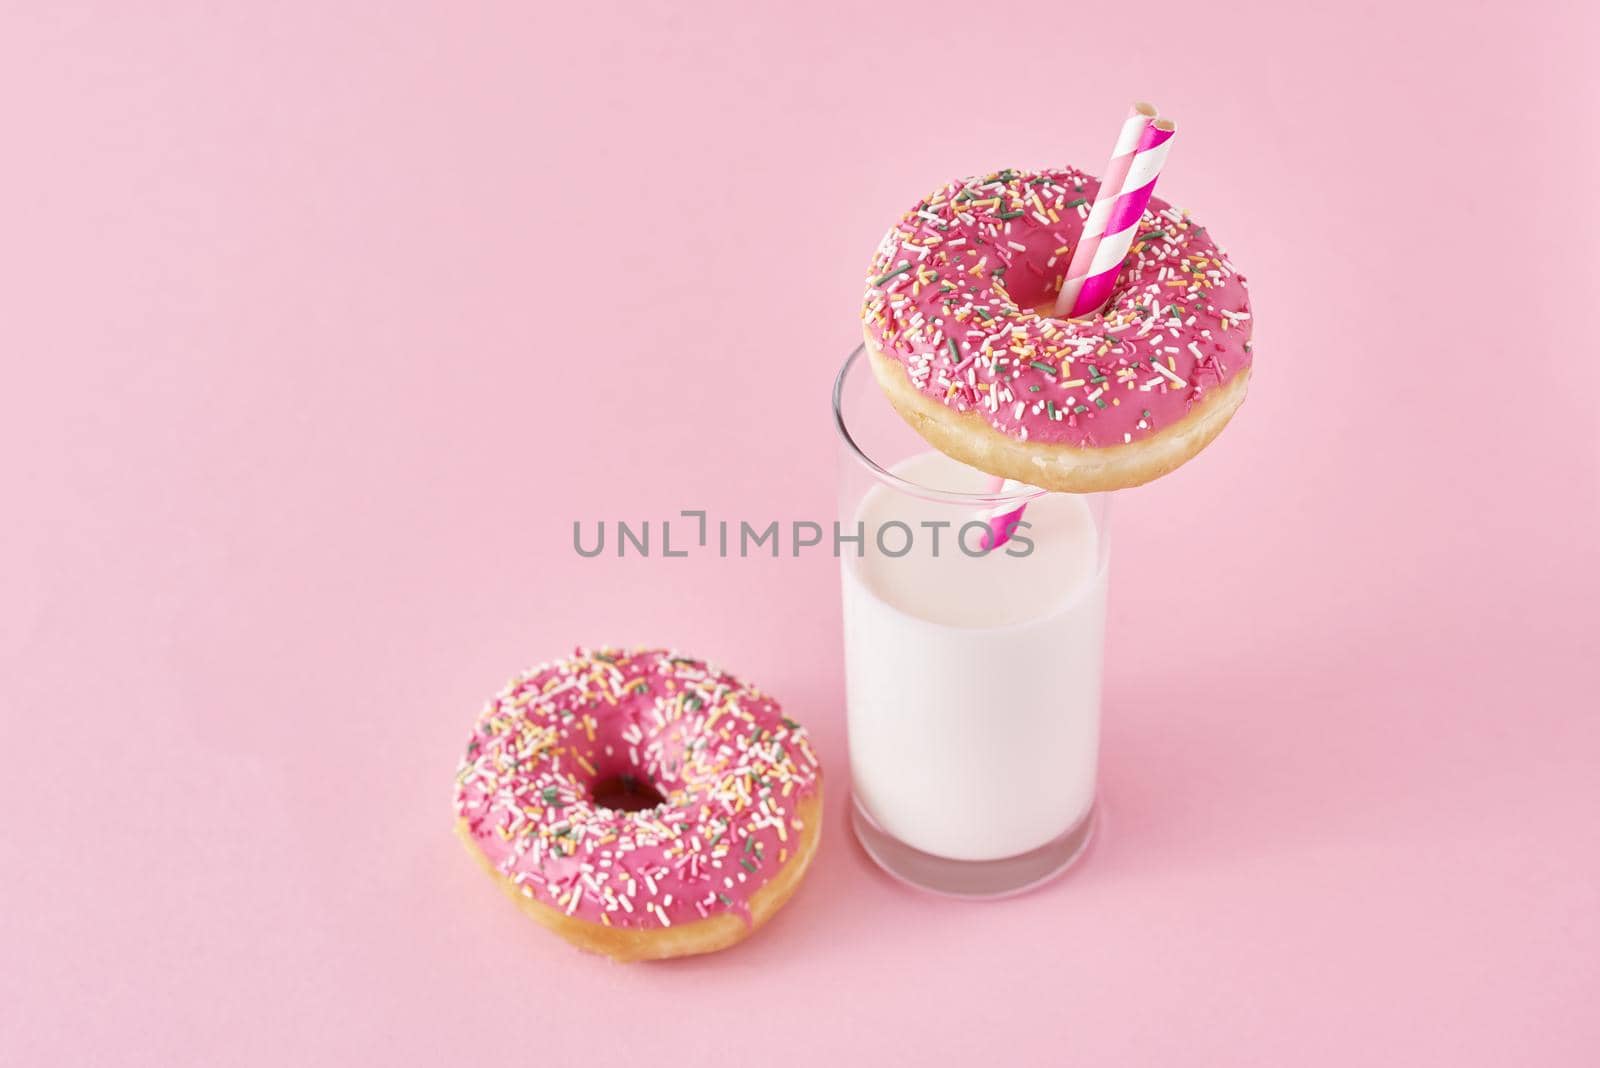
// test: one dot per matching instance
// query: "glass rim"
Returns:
(904, 485)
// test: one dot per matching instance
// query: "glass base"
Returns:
(968, 878)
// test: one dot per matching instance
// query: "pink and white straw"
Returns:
(1122, 219)
(1140, 116)
(1004, 519)
(1125, 191)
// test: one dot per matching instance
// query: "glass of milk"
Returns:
(972, 675)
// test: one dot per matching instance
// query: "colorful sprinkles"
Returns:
(954, 286)
(731, 768)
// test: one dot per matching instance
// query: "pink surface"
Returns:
(320, 326)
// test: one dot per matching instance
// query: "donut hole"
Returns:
(1046, 308)
(625, 793)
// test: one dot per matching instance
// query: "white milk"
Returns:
(973, 683)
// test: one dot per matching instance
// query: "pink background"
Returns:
(321, 325)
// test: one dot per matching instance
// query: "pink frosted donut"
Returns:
(956, 336)
(641, 805)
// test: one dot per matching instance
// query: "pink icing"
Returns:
(951, 288)
(731, 767)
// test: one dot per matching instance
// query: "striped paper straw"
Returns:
(1124, 217)
(1003, 520)
(1140, 115)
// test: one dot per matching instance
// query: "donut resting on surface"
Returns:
(640, 804)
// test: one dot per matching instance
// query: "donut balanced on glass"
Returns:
(960, 334)
(640, 804)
